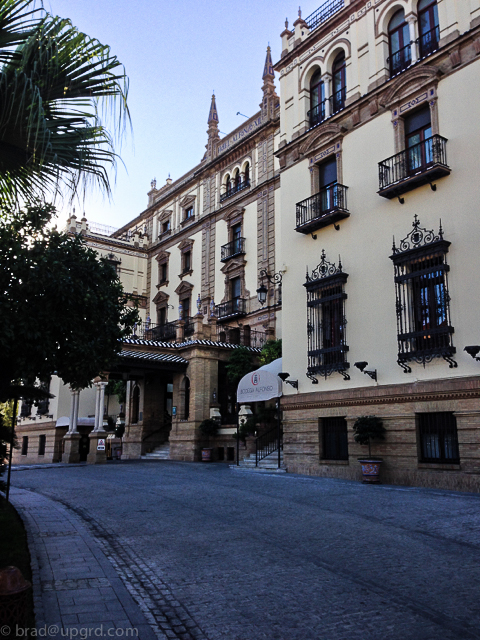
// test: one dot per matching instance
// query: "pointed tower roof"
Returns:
(268, 68)
(213, 115)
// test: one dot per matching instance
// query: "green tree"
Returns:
(58, 87)
(62, 309)
(239, 364)
(271, 350)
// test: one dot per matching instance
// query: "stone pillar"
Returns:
(326, 88)
(95, 455)
(198, 326)
(411, 27)
(72, 437)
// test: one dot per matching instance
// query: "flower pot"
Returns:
(370, 471)
(206, 455)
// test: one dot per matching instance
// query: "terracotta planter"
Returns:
(206, 455)
(370, 471)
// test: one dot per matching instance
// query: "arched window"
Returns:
(135, 404)
(339, 85)
(428, 27)
(317, 99)
(238, 180)
(228, 186)
(247, 174)
(399, 43)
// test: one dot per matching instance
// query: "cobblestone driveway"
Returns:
(227, 555)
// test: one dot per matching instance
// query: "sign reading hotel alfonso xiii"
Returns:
(258, 385)
(239, 135)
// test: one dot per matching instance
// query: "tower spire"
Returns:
(213, 134)
(270, 98)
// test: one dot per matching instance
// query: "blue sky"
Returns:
(175, 55)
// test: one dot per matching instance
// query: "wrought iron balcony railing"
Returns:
(428, 42)
(234, 188)
(317, 114)
(325, 12)
(150, 331)
(241, 335)
(338, 100)
(400, 60)
(189, 327)
(234, 248)
(413, 167)
(231, 309)
(324, 208)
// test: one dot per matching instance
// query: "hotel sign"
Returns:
(232, 140)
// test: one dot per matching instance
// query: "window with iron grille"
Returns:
(438, 438)
(334, 438)
(326, 336)
(41, 445)
(424, 329)
(24, 445)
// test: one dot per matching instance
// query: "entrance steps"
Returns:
(159, 453)
(267, 464)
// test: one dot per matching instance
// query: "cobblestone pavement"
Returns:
(211, 554)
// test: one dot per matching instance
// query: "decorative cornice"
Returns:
(408, 83)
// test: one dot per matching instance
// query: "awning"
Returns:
(262, 384)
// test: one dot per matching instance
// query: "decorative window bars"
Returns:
(424, 329)
(438, 438)
(327, 348)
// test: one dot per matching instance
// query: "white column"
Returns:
(326, 89)
(72, 425)
(75, 417)
(102, 386)
(97, 405)
(411, 26)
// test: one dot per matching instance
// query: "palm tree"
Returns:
(58, 87)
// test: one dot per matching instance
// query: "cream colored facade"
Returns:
(194, 260)
(370, 127)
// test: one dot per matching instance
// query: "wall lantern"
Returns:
(274, 279)
(472, 351)
(362, 365)
(283, 376)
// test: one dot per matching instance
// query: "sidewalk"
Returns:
(77, 592)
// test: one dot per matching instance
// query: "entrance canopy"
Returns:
(262, 384)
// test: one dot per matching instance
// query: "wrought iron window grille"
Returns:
(326, 320)
(334, 438)
(422, 300)
(438, 438)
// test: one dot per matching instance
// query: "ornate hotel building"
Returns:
(378, 140)
(359, 184)
(193, 259)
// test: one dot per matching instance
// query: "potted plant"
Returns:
(366, 429)
(209, 429)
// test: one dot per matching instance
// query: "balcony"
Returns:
(413, 167)
(328, 206)
(189, 327)
(338, 100)
(231, 309)
(234, 188)
(234, 248)
(400, 60)
(161, 332)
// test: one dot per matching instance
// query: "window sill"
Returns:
(186, 221)
(185, 273)
(345, 462)
(164, 283)
(436, 465)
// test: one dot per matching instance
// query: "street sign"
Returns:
(101, 445)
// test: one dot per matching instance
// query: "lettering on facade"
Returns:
(322, 154)
(239, 135)
(414, 102)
